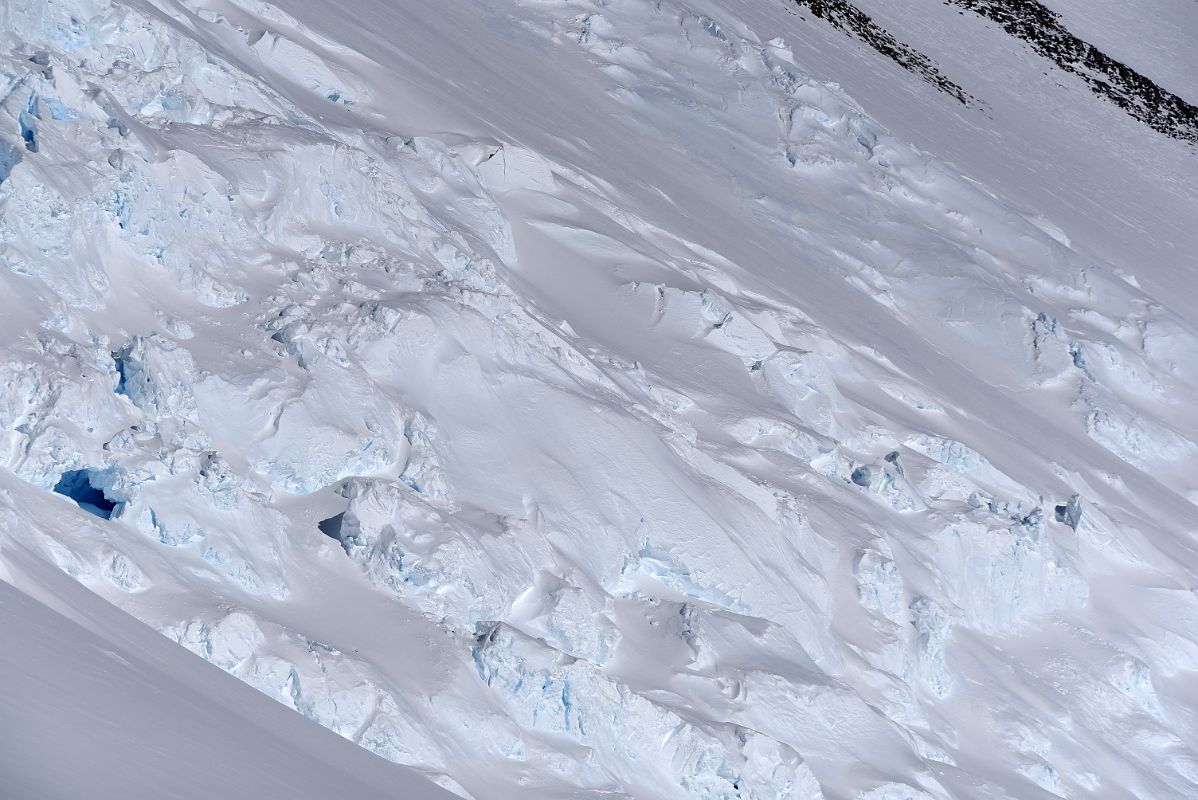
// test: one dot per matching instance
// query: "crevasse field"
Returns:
(596, 399)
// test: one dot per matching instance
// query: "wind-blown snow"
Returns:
(592, 399)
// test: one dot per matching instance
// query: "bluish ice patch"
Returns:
(122, 378)
(28, 130)
(77, 484)
(661, 565)
(483, 637)
(119, 209)
(9, 157)
(59, 110)
(1079, 358)
(71, 35)
(712, 28)
(569, 712)
(133, 381)
(179, 536)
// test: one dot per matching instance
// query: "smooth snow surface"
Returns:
(98, 706)
(571, 398)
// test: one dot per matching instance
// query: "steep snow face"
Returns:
(141, 717)
(587, 399)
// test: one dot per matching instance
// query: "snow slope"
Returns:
(617, 399)
(97, 705)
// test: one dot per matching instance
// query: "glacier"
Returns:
(618, 398)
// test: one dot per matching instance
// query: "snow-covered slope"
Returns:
(619, 399)
(97, 705)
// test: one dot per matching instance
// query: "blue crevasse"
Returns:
(79, 485)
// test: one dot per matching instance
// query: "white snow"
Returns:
(636, 399)
(97, 705)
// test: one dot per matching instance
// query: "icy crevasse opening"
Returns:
(78, 485)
